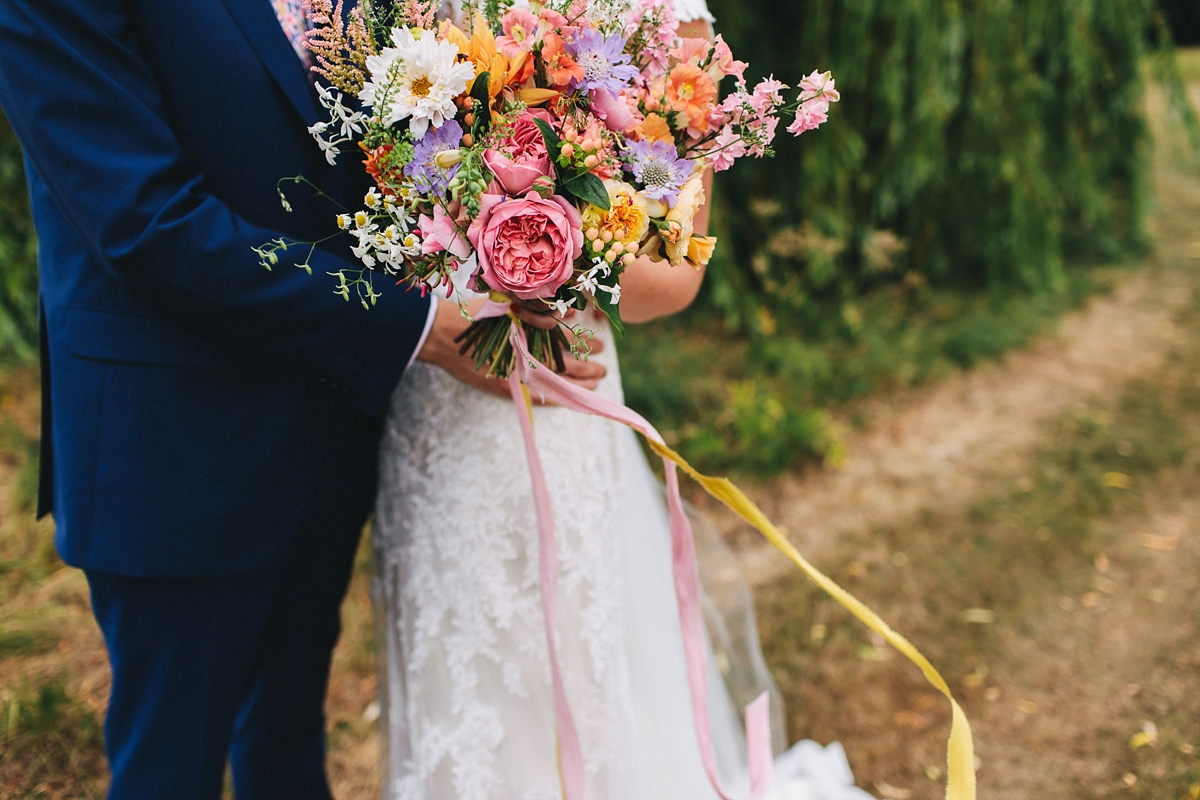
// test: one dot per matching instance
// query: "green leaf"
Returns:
(553, 143)
(588, 188)
(479, 91)
(612, 310)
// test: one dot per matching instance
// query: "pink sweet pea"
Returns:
(522, 158)
(728, 148)
(439, 233)
(520, 32)
(810, 116)
(526, 247)
(766, 95)
(724, 61)
(820, 84)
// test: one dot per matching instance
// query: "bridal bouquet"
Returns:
(531, 157)
(545, 147)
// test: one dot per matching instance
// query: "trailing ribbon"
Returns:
(529, 374)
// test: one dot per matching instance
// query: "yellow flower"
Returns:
(627, 221)
(654, 128)
(481, 51)
(683, 214)
(700, 250)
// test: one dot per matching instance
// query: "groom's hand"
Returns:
(441, 350)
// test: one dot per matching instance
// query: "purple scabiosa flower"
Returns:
(658, 167)
(423, 169)
(604, 62)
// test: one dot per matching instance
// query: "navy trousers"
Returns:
(236, 667)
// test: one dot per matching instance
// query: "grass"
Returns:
(1189, 64)
(763, 406)
(50, 743)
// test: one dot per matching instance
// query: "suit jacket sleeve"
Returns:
(91, 117)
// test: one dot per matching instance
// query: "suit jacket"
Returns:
(192, 398)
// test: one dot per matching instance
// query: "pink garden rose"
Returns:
(526, 247)
(522, 158)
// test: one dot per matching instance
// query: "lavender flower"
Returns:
(604, 62)
(423, 169)
(658, 167)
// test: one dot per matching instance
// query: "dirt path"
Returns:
(935, 449)
(1089, 686)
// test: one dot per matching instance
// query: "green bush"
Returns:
(758, 404)
(978, 144)
(18, 255)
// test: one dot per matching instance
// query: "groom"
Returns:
(209, 427)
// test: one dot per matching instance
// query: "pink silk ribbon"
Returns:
(530, 375)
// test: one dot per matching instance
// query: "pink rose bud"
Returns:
(522, 158)
(544, 186)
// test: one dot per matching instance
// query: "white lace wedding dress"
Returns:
(465, 682)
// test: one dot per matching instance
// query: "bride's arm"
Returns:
(653, 289)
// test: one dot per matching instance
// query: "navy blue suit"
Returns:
(210, 427)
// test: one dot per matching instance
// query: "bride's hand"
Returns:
(441, 350)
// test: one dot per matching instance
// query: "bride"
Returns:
(468, 712)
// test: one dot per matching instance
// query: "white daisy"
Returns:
(416, 79)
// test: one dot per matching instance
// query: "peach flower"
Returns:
(691, 92)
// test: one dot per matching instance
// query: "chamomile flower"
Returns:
(417, 79)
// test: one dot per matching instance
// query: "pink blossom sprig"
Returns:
(650, 34)
(418, 13)
(752, 118)
(817, 92)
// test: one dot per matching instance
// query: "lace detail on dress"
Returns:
(691, 10)
(456, 542)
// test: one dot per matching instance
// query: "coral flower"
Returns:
(692, 51)
(561, 69)
(378, 168)
(690, 91)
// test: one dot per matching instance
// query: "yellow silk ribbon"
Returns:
(960, 750)
(960, 753)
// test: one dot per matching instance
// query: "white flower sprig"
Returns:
(342, 126)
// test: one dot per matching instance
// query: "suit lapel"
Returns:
(261, 28)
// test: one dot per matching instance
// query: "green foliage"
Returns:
(979, 143)
(756, 404)
(18, 255)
